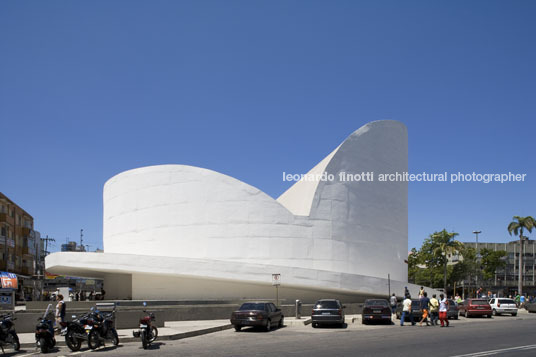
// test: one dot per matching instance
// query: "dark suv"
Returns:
(258, 314)
(416, 310)
(328, 311)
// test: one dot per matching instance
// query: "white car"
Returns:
(503, 306)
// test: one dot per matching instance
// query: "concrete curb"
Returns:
(176, 336)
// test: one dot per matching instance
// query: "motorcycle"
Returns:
(44, 333)
(103, 329)
(8, 335)
(147, 332)
(76, 331)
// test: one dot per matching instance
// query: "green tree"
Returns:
(465, 266)
(445, 245)
(491, 261)
(413, 261)
(517, 226)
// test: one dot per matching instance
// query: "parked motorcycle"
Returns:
(44, 332)
(76, 331)
(8, 335)
(103, 329)
(147, 332)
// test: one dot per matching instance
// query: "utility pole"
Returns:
(46, 244)
(477, 258)
(81, 237)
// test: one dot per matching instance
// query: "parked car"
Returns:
(530, 306)
(328, 312)
(376, 310)
(257, 314)
(416, 310)
(474, 307)
(452, 312)
(503, 306)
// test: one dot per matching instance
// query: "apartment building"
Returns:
(506, 279)
(20, 245)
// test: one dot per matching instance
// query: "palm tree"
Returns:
(517, 227)
(446, 244)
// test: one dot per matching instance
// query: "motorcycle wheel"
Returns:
(115, 338)
(143, 337)
(93, 340)
(154, 334)
(43, 344)
(15, 340)
(72, 342)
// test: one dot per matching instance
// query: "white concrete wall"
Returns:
(353, 227)
(168, 278)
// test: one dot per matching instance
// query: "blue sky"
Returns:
(254, 88)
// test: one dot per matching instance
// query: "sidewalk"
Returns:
(172, 330)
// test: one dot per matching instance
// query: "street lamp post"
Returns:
(477, 257)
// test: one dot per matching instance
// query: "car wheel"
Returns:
(494, 312)
(238, 328)
(489, 316)
(281, 322)
(314, 324)
(514, 314)
(268, 325)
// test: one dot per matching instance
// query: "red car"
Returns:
(474, 307)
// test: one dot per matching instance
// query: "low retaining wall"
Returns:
(128, 316)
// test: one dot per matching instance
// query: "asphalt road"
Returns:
(475, 337)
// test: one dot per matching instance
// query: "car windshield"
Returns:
(506, 301)
(327, 305)
(376, 303)
(252, 306)
(479, 302)
(415, 304)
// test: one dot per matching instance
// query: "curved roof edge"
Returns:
(99, 264)
(298, 199)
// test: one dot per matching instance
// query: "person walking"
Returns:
(421, 292)
(393, 301)
(425, 301)
(434, 310)
(60, 310)
(443, 308)
(406, 311)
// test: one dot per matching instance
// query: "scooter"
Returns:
(44, 333)
(8, 335)
(147, 332)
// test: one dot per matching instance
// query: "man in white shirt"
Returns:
(406, 311)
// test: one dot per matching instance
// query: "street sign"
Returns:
(276, 279)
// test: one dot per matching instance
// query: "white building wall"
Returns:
(190, 212)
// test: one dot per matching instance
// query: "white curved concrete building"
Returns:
(183, 232)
